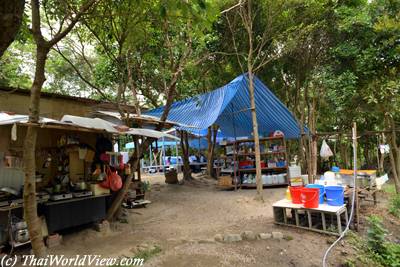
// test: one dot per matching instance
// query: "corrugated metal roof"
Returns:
(89, 124)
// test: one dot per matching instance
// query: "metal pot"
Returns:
(20, 225)
(21, 235)
(57, 188)
(80, 186)
(10, 190)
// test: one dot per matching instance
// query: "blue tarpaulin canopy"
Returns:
(229, 107)
(200, 143)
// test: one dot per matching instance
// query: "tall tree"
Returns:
(261, 49)
(43, 46)
(173, 40)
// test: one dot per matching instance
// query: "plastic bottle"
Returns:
(288, 196)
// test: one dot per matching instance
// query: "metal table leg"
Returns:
(296, 215)
(339, 223)
(309, 219)
(323, 221)
(284, 216)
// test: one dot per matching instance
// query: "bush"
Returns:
(376, 234)
(394, 206)
(382, 251)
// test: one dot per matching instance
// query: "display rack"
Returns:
(274, 160)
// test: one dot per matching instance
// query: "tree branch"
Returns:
(74, 20)
(57, 49)
(36, 30)
(234, 43)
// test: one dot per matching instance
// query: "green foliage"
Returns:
(382, 251)
(145, 186)
(389, 188)
(14, 71)
(376, 234)
(147, 254)
(344, 55)
(349, 263)
(394, 205)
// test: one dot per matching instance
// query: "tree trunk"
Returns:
(211, 140)
(247, 19)
(259, 183)
(394, 170)
(11, 13)
(343, 153)
(381, 156)
(133, 87)
(313, 148)
(116, 204)
(30, 205)
(302, 146)
(187, 172)
(313, 157)
(394, 154)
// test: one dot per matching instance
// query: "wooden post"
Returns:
(136, 142)
(355, 175)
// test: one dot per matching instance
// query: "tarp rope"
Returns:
(352, 201)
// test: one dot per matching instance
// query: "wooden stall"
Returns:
(71, 164)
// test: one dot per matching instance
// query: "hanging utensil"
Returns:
(102, 176)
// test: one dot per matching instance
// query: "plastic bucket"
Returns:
(310, 197)
(335, 195)
(295, 192)
(321, 191)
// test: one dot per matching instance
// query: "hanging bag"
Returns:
(113, 181)
(326, 151)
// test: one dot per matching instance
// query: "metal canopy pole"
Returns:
(151, 155)
(176, 153)
(199, 144)
(162, 163)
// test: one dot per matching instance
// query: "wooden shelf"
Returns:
(252, 140)
(254, 169)
(263, 153)
(226, 187)
(238, 155)
(261, 139)
(264, 185)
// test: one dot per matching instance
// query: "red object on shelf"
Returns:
(245, 163)
(263, 164)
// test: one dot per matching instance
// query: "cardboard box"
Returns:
(76, 166)
(97, 190)
(225, 181)
(296, 181)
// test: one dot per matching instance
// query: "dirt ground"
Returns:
(183, 218)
